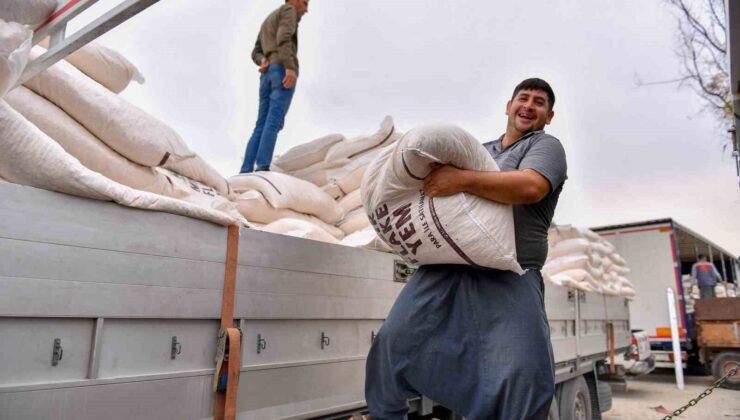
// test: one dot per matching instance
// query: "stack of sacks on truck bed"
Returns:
(581, 259)
(691, 291)
(319, 183)
(265, 198)
(120, 145)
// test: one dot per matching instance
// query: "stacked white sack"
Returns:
(581, 259)
(127, 129)
(80, 143)
(253, 205)
(307, 154)
(104, 65)
(287, 192)
(27, 12)
(15, 45)
(32, 158)
(335, 162)
(301, 229)
(460, 229)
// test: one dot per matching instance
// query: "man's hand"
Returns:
(264, 65)
(444, 181)
(290, 79)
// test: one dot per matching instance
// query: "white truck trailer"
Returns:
(660, 253)
(108, 312)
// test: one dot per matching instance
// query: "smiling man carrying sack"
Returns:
(477, 340)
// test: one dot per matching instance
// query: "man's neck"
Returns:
(510, 137)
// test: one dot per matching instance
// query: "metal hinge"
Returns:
(57, 352)
(175, 348)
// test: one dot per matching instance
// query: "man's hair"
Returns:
(536, 84)
(701, 257)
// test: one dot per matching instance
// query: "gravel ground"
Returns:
(659, 388)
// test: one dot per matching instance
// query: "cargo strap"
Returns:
(228, 352)
(611, 339)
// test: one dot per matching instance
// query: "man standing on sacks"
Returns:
(276, 54)
(477, 340)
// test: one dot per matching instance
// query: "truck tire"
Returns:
(722, 364)
(575, 400)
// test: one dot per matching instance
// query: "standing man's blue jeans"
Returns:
(274, 104)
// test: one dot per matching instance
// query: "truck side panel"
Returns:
(650, 255)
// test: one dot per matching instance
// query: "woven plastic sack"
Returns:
(459, 229)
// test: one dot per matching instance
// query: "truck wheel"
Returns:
(553, 414)
(722, 364)
(575, 400)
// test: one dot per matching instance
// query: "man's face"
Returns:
(301, 6)
(529, 111)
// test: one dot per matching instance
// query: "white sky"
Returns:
(633, 153)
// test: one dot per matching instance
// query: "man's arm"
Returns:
(694, 280)
(542, 170)
(258, 56)
(287, 27)
(513, 187)
(717, 276)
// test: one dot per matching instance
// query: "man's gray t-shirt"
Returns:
(543, 153)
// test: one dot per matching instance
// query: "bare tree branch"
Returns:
(719, 21)
(697, 25)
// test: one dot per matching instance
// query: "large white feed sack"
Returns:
(459, 229)
(125, 128)
(104, 65)
(349, 177)
(198, 169)
(351, 201)
(286, 192)
(27, 12)
(320, 173)
(563, 232)
(253, 205)
(367, 239)
(30, 157)
(307, 154)
(81, 144)
(15, 46)
(570, 246)
(192, 191)
(354, 221)
(572, 262)
(352, 148)
(332, 188)
(300, 229)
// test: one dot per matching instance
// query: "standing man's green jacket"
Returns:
(278, 39)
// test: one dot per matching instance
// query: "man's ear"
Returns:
(550, 116)
(508, 106)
